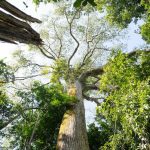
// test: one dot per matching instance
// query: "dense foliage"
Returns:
(126, 86)
(6, 75)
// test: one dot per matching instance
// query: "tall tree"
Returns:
(74, 48)
(72, 133)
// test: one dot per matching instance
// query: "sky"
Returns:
(132, 41)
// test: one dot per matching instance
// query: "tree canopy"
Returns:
(120, 13)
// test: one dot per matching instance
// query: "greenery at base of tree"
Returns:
(40, 113)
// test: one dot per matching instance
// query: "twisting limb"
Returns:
(90, 87)
(97, 72)
(51, 51)
(91, 45)
(70, 30)
(92, 73)
(96, 100)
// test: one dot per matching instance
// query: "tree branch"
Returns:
(17, 115)
(10, 121)
(70, 30)
(28, 77)
(92, 99)
(90, 87)
(93, 72)
(48, 56)
(30, 64)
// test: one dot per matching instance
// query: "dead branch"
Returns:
(16, 12)
(15, 33)
(12, 29)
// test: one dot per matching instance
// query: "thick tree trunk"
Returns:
(72, 133)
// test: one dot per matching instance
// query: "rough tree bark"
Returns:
(72, 133)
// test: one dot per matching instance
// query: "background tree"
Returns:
(99, 134)
(125, 86)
